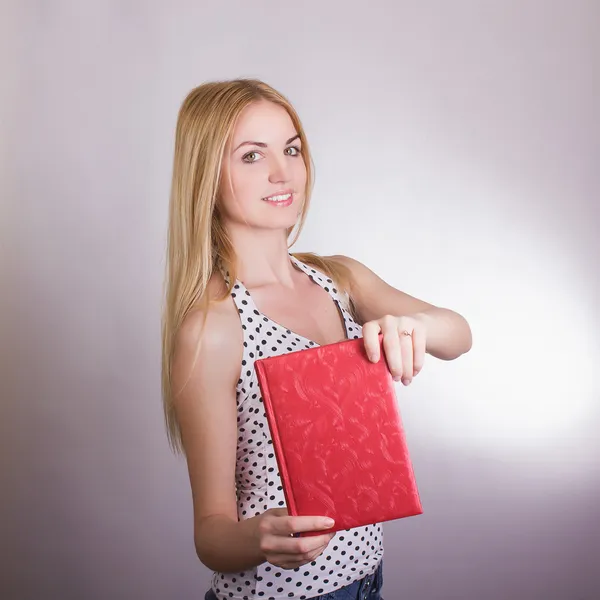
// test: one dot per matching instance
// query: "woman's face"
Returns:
(263, 159)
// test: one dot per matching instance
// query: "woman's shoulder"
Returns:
(211, 329)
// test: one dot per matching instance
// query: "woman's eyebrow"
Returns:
(263, 145)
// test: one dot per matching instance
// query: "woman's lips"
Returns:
(285, 202)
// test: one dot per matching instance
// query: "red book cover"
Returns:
(338, 435)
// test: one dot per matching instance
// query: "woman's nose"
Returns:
(279, 169)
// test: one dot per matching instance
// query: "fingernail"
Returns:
(397, 378)
(406, 381)
(329, 522)
(373, 357)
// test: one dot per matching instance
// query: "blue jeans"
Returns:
(367, 588)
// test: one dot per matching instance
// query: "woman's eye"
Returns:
(297, 150)
(250, 154)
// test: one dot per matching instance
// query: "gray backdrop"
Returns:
(457, 152)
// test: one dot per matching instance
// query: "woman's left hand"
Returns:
(404, 343)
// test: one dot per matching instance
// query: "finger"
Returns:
(371, 340)
(392, 349)
(419, 347)
(299, 559)
(288, 547)
(296, 524)
(406, 352)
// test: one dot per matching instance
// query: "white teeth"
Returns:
(278, 198)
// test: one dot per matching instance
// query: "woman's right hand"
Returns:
(275, 529)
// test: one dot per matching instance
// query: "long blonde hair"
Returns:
(197, 239)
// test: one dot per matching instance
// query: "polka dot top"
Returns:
(351, 554)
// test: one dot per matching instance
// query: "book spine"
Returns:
(279, 452)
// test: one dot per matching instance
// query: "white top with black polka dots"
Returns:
(352, 553)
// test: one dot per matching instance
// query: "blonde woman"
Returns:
(242, 181)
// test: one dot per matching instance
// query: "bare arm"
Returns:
(448, 333)
(207, 415)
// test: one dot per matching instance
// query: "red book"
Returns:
(338, 435)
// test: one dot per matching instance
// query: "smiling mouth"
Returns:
(279, 198)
